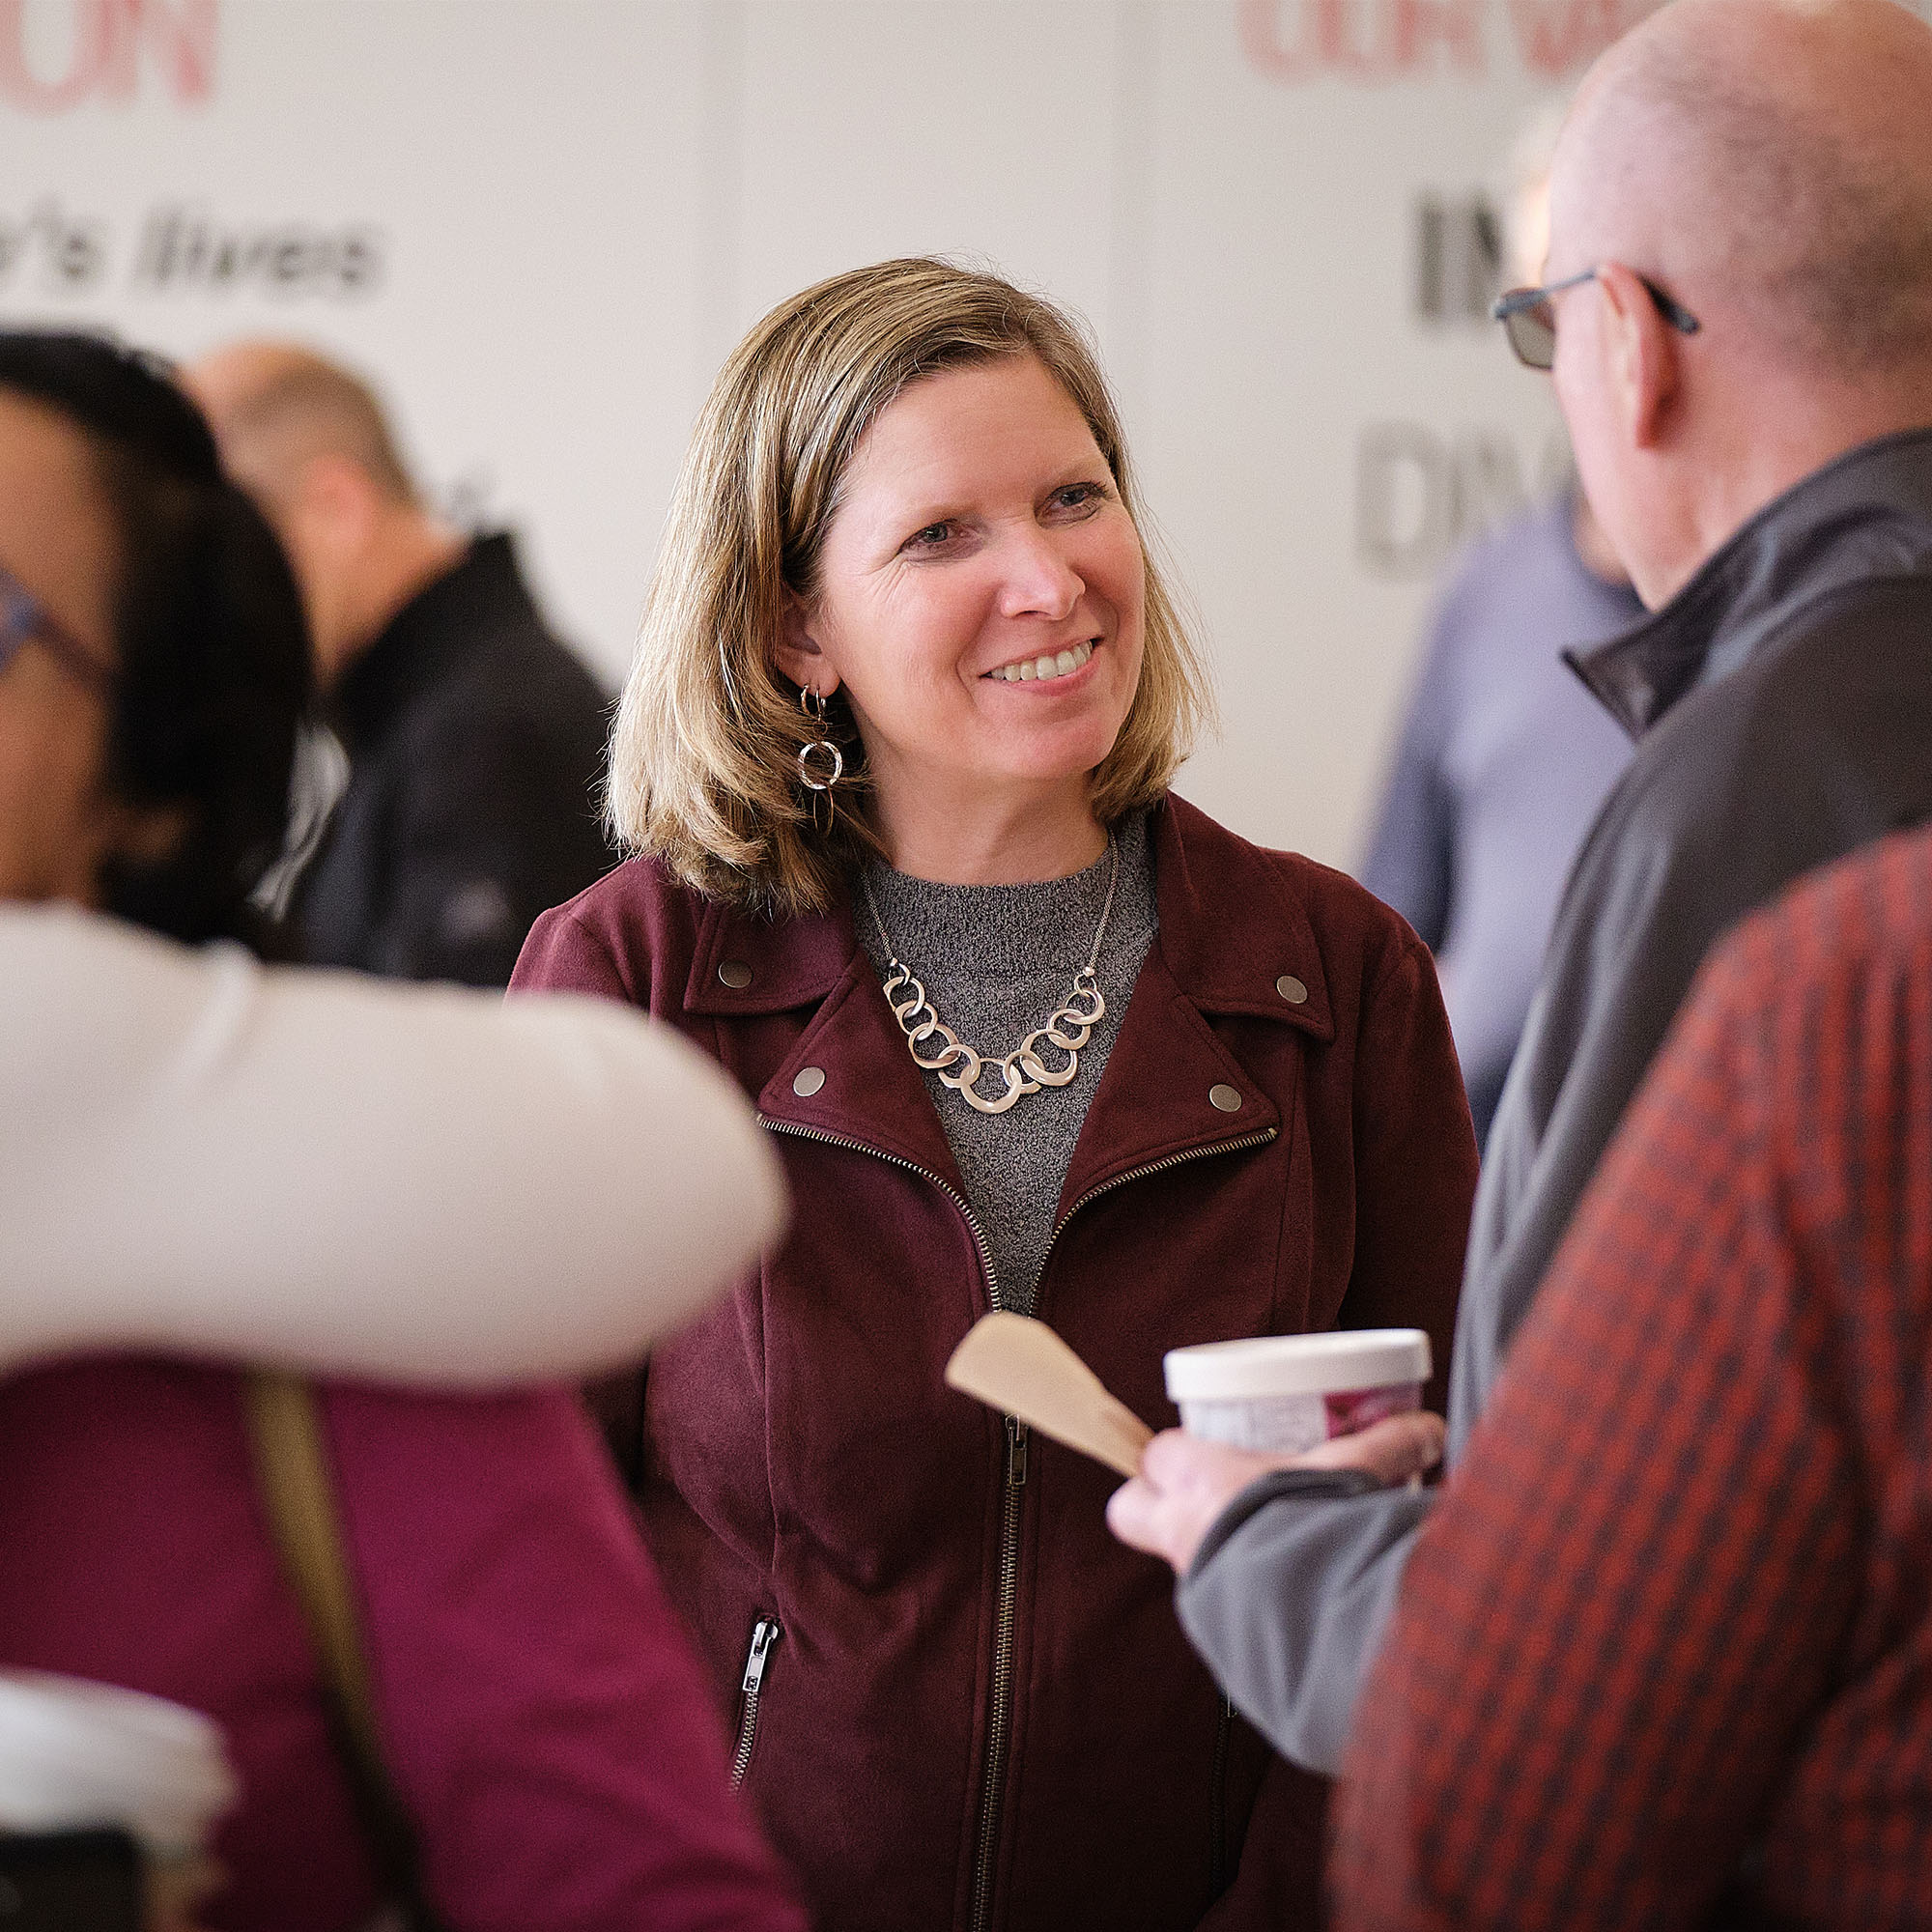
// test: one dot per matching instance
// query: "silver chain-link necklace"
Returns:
(956, 1063)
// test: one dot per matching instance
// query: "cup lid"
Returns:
(1349, 1358)
(75, 1754)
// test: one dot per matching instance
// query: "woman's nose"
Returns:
(1039, 582)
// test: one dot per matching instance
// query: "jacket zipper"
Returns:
(1217, 1804)
(1180, 1159)
(1016, 1448)
(765, 1634)
(1000, 1713)
(1000, 1716)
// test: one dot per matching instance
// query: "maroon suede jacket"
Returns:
(959, 1702)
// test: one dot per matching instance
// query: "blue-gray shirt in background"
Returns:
(1503, 761)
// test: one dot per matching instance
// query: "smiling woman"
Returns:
(1032, 1035)
(911, 452)
(980, 543)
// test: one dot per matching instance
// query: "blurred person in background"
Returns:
(474, 738)
(1739, 327)
(1504, 755)
(907, 701)
(540, 1719)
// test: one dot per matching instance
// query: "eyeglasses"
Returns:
(24, 619)
(1529, 318)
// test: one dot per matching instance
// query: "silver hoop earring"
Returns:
(820, 748)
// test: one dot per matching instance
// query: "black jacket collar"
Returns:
(423, 642)
(1865, 514)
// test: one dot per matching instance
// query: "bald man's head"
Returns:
(310, 441)
(276, 406)
(1774, 155)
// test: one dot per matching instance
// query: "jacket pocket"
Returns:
(765, 1634)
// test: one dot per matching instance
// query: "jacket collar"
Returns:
(1232, 925)
(1230, 928)
(745, 964)
(423, 642)
(1866, 513)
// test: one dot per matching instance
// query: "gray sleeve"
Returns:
(1289, 1596)
(1291, 1591)
(1714, 819)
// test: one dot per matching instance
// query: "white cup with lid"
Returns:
(1288, 1394)
(77, 1756)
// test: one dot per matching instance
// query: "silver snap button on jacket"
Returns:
(735, 974)
(1226, 1097)
(1290, 989)
(808, 1081)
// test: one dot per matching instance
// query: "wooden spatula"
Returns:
(1023, 1368)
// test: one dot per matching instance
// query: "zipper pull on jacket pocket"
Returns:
(765, 1632)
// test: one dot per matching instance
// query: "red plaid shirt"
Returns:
(1669, 1634)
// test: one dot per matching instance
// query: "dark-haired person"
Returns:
(150, 732)
(537, 1709)
(474, 737)
(163, 1092)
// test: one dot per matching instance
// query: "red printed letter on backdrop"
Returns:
(1557, 36)
(92, 35)
(178, 35)
(1267, 48)
(107, 42)
(1456, 26)
(1362, 40)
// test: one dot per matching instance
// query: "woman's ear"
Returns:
(799, 655)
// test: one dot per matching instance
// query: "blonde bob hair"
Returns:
(704, 754)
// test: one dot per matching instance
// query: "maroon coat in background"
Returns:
(797, 1459)
(541, 1714)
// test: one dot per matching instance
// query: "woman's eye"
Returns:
(1077, 496)
(929, 538)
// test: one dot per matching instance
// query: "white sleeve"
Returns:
(313, 1169)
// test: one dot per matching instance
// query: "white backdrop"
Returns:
(542, 223)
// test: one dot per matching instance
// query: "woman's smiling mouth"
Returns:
(1048, 666)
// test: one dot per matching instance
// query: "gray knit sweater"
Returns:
(997, 961)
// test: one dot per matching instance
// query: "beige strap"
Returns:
(299, 1490)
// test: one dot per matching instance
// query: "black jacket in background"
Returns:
(475, 741)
